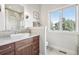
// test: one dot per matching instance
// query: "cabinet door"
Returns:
(7, 49)
(25, 50)
(24, 47)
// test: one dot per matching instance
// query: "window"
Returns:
(68, 19)
(63, 19)
(55, 19)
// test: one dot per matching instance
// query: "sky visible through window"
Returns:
(68, 13)
(55, 16)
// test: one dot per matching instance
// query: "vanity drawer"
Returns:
(7, 49)
(23, 42)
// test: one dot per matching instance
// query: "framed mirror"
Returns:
(14, 16)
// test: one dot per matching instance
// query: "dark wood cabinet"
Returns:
(7, 49)
(36, 45)
(29, 46)
(24, 47)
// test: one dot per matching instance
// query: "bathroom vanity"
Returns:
(26, 46)
(13, 38)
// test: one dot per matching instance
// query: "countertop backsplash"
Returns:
(8, 33)
(5, 33)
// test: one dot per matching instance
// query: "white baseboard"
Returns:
(69, 52)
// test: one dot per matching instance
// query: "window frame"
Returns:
(61, 9)
(59, 19)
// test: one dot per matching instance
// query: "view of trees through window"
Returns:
(63, 19)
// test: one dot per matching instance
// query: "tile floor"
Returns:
(51, 51)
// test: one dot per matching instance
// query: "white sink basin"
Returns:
(20, 35)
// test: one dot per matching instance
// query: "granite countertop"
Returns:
(8, 40)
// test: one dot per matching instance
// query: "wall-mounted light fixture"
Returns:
(27, 16)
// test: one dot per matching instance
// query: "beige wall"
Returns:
(28, 10)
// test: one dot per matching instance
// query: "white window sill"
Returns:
(70, 32)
